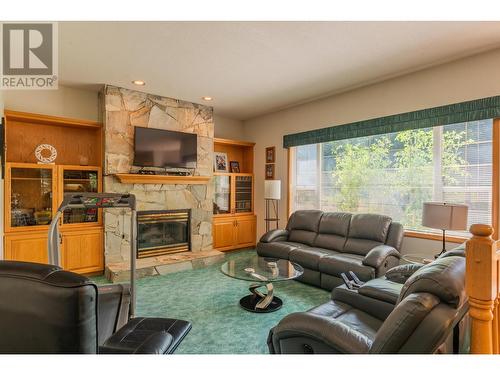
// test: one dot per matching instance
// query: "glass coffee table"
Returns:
(262, 272)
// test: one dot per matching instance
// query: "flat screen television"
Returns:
(164, 148)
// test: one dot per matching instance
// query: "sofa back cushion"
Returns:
(303, 226)
(365, 232)
(333, 230)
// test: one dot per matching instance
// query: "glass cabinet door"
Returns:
(222, 196)
(31, 195)
(80, 181)
(243, 194)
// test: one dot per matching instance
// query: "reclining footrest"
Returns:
(147, 336)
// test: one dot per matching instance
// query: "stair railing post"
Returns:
(481, 282)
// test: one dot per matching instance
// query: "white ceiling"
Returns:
(252, 68)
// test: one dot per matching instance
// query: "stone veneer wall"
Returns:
(123, 110)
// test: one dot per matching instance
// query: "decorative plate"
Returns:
(46, 153)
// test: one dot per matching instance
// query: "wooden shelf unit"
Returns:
(77, 142)
(235, 227)
(130, 178)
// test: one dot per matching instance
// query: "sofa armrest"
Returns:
(401, 273)
(320, 334)
(377, 256)
(275, 235)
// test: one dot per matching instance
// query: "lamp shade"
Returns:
(272, 189)
(447, 216)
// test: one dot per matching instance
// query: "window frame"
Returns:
(425, 235)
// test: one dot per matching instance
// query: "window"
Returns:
(395, 173)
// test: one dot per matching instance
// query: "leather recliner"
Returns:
(44, 309)
(423, 315)
(327, 244)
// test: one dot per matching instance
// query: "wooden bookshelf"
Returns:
(33, 191)
(234, 223)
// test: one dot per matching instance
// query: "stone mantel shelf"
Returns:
(129, 178)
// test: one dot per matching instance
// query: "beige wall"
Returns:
(63, 102)
(228, 128)
(470, 78)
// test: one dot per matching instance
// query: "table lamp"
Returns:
(444, 216)
(272, 195)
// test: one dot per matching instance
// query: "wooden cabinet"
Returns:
(234, 232)
(33, 192)
(81, 251)
(27, 247)
(245, 231)
(223, 233)
(234, 223)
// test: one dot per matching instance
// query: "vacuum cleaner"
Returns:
(116, 302)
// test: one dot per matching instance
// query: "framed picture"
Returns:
(269, 171)
(235, 166)
(271, 154)
(220, 162)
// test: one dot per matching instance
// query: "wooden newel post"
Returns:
(481, 282)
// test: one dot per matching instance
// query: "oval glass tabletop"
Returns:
(262, 269)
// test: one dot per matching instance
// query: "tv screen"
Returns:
(164, 148)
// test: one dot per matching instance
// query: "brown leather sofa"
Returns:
(327, 244)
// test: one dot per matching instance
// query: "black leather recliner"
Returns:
(44, 309)
(427, 314)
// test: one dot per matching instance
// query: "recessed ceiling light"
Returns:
(207, 98)
(138, 82)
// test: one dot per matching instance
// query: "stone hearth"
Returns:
(124, 109)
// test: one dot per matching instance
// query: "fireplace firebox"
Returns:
(163, 232)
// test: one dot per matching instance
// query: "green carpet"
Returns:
(209, 300)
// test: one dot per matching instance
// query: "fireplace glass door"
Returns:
(162, 232)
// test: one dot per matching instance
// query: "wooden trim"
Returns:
(495, 211)
(50, 120)
(127, 178)
(290, 154)
(233, 142)
(434, 236)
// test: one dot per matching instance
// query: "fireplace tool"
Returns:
(116, 301)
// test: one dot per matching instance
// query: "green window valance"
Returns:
(473, 110)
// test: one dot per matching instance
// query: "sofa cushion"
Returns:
(338, 263)
(335, 223)
(333, 229)
(359, 246)
(303, 226)
(303, 236)
(309, 257)
(370, 227)
(279, 250)
(307, 220)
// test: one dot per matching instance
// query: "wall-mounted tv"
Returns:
(164, 148)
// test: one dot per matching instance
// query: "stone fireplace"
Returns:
(163, 232)
(123, 110)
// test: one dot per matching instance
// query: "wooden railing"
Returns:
(482, 286)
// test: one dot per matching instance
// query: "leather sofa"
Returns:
(327, 244)
(44, 309)
(427, 314)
